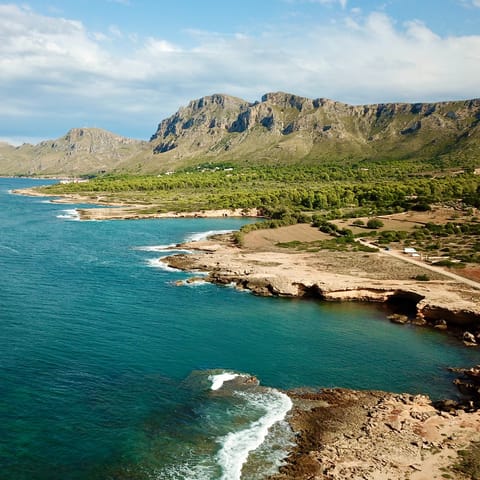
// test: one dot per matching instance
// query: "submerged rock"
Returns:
(469, 338)
(398, 318)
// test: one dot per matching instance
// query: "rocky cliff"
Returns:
(288, 128)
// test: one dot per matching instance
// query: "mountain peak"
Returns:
(217, 99)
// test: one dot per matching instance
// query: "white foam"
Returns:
(197, 237)
(183, 471)
(157, 263)
(218, 380)
(69, 214)
(156, 248)
(236, 446)
(196, 283)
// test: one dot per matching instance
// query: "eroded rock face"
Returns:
(453, 316)
(303, 275)
(218, 124)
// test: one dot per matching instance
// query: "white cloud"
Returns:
(115, 31)
(54, 72)
(469, 3)
(343, 3)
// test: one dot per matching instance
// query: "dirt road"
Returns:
(406, 258)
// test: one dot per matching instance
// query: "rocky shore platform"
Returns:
(351, 435)
(441, 301)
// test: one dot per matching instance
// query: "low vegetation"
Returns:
(378, 189)
(469, 461)
(339, 244)
(344, 201)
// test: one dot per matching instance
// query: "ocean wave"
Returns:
(162, 249)
(156, 248)
(199, 236)
(219, 379)
(10, 249)
(69, 214)
(184, 471)
(157, 263)
(190, 283)
(237, 446)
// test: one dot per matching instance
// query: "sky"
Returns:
(125, 65)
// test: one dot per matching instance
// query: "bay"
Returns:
(106, 366)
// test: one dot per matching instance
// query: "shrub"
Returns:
(374, 223)
(422, 277)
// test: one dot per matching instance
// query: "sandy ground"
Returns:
(137, 212)
(266, 239)
(432, 268)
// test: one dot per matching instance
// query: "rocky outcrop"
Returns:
(348, 435)
(459, 315)
(440, 303)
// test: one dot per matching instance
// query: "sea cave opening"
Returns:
(404, 303)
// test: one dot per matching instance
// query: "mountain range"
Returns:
(282, 128)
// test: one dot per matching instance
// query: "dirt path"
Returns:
(432, 268)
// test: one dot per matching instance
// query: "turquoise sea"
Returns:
(110, 371)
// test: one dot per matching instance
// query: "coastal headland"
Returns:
(344, 434)
(269, 270)
(349, 435)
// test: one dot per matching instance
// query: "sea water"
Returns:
(109, 370)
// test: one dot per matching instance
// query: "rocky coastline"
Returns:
(348, 435)
(442, 303)
(345, 434)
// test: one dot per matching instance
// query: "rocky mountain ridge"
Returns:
(79, 151)
(284, 126)
(281, 128)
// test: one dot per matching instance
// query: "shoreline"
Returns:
(108, 210)
(347, 434)
(336, 276)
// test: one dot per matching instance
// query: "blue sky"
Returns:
(124, 65)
